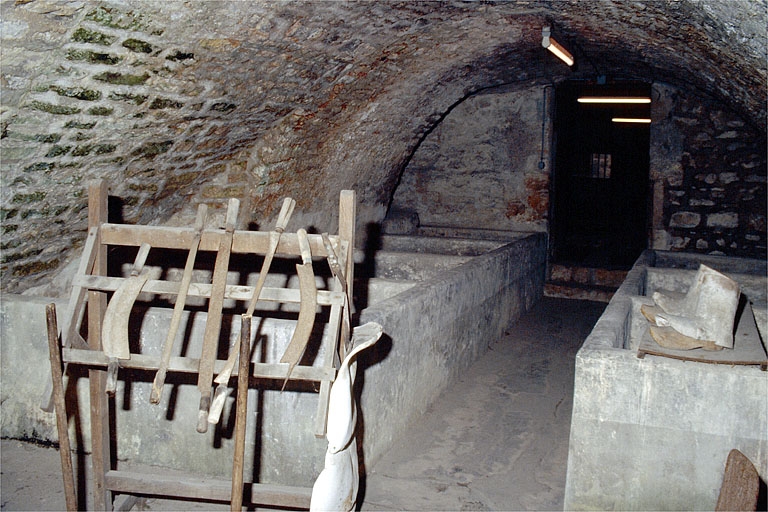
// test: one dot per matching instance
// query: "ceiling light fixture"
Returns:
(613, 99)
(550, 44)
(641, 120)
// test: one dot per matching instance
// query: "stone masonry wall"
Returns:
(100, 92)
(479, 168)
(177, 103)
(709, 174)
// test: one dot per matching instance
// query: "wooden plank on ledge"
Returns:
(159, 484)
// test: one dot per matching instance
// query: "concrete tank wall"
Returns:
(434, 329)
(654, 433)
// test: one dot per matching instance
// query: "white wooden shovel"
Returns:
(114, 330)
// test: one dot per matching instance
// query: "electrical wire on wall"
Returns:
(543, 164)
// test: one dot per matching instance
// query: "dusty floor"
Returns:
(496, 440)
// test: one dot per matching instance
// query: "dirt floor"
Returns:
(495, 440)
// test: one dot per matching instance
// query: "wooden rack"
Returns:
(91, 287)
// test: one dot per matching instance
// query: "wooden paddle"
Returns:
(213, 321)
(178, 308)
(114, 330)
(308, 294)
(222, 379)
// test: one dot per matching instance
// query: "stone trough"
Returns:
(654, 433)
(441, 302)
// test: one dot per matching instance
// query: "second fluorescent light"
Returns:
(640, 120)
(614, 99)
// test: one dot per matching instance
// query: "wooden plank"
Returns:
(330, 359)
(60, 404)
(747, 347)
(213, 320)
(347, 216)
(75, 309)
(740, 489)
(177, 364)
(97, 305)
(243, 242)
(159, 484)
(241, 414)
(236, 292)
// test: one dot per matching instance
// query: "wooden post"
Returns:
(97, 305)
(241, 413)
(59, 403)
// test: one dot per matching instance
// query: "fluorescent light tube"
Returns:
(641, 120)
(553, 46)
(613, 99)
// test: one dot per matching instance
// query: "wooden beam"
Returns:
(98, 197)
(206, 489)
(97, 358)
(244, 242)
(236, 292)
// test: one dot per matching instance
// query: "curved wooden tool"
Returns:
(178, 308)
(213, 322)
(114, 330)
(222, 379)
(308, 294)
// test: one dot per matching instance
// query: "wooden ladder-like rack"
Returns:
(90, 289)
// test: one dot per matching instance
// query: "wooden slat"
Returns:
(97, 304)
(60, 405)
(190, 365)
(236, 292)
(244, 242)
(206, 489)
(331, 354)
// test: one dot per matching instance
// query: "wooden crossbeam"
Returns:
(243, 242)
(206, 489)
(236, 292)
(96, 358)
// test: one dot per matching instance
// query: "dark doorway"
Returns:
(600, 176)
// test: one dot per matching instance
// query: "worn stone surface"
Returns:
(480, 166)
(177, 106)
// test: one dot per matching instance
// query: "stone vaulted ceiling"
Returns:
(175, 102)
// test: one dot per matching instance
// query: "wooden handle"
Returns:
(213, 322)
(178, 308)
(306, 252)
(60, 404)
(241, 414)
(141, 259)
(285, 214)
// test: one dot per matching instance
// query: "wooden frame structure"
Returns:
(91, 287)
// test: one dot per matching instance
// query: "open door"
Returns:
(600, 185)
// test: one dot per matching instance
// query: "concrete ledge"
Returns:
(654, 433)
